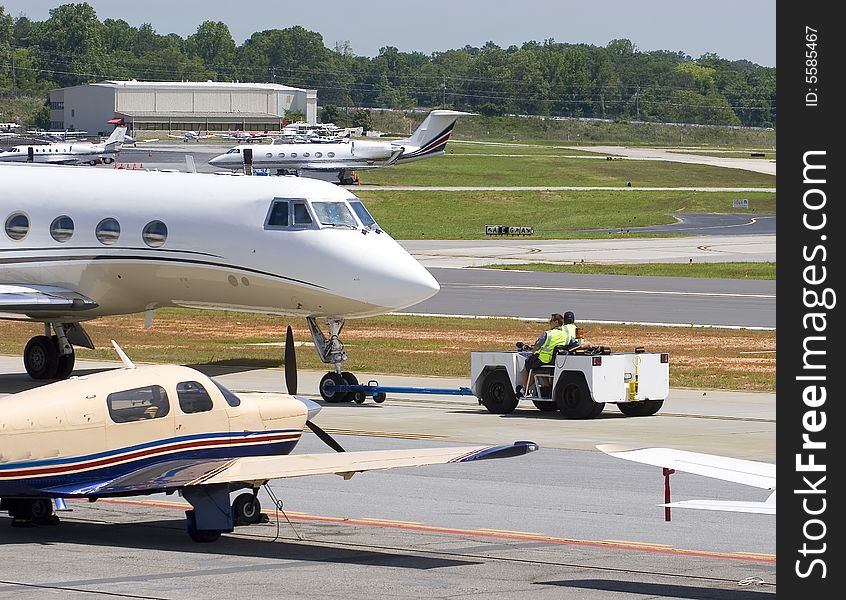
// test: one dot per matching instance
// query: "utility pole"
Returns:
(14, 82)
(443, 96)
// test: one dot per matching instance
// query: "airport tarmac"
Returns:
(566, 521)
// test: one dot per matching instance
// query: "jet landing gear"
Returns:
(52, 356)
(331, 350)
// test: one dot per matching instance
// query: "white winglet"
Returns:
(126, 362)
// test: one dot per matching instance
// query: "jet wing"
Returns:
(747, 472)
(29, 299)
(181, 473)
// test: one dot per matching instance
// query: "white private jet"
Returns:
(53, 135)
(67, 153)
(168, 428)
(117, 242)
(429, 139)
(747, 472)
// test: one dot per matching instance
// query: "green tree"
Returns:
(71, 45)
(213, 44)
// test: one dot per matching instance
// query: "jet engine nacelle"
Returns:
(372, 150)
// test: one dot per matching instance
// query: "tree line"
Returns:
(549, 78)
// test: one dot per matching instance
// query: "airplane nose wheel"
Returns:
(330, 380)
(41, 357)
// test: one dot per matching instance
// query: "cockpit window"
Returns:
(193, 397)
(334, 213)
(301, 215)
(278, 215)
(362, 213)
(234, 151)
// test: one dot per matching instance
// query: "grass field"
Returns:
(744, 270)
(700, 358)
(496, 168)
(429, 214)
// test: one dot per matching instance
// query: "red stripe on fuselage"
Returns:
(112, 460)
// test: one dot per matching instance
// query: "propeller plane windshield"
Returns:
(141, 430)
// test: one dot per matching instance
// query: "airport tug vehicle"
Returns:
(578, 383)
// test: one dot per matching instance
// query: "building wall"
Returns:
(87, 108)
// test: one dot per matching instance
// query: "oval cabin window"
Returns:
(154, 234)
(17, 226)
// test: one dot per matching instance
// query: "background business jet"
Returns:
(116, 242)
(343, 157)
(67, 153)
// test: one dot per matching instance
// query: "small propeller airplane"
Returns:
(747, 472)
(168, 428)
(191, 136)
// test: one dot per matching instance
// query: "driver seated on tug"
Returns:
(561, 335)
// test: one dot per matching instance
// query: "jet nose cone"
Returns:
(215, 161)
(405, 282)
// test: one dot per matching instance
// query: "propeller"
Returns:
(291, 384)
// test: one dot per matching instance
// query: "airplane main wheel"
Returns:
(246, 509)
(328, 382)
(204, 536)
(37, 510)
(41, 357)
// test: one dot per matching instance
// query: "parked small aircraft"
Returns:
(120, 242)
(747, 472)
(344, 157)
(191, 136)
(245, 136)
(54, 135)
(68, 153)
(168, 428)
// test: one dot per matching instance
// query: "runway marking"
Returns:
(647, 547)
(537, 288)
(595, 322)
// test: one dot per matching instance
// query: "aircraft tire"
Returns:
(497, 394)
(246, 509)
(202, 537)
(328, 381)
(41, 357)
(644, 408)
(573, 398)
(351, 379)
(65, 362)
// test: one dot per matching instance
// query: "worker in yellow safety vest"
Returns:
(562, 333)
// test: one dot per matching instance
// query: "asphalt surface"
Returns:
(566, 521)
(609, 298)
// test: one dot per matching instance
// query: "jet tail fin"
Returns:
(431, 136)
(116, 139)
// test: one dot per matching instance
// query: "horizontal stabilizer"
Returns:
(747, 472)
(763, 508)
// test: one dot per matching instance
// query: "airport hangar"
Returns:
(178, 105)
